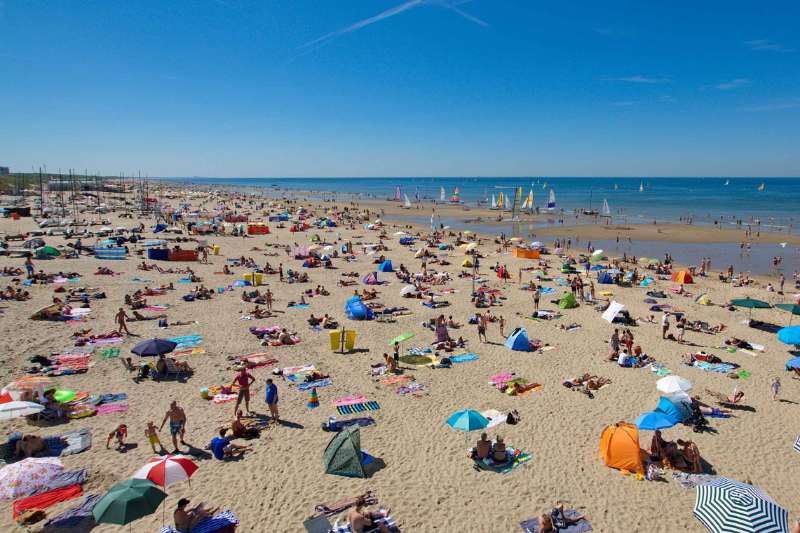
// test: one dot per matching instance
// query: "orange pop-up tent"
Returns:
(682, 276)
(619, 448)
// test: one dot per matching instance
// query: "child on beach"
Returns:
(120, 433)
(152, 437)
(776, 387)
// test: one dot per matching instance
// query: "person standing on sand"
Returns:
(502, 323)
(152, 437)
(244, 379)
(664, 324)
(482, 328)
(177, 424)
(120, 319)
(271, 397)
(280, 271)
(781, 282)
(536, 295)
(776, 387)
(29, 266)
(268, 297)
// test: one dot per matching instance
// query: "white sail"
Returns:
(606, 209)
(441, 194)
(641, 186)
(727, 182)
(494, 202)
(616, 187)
(528, 203)
(508, 202)
(406, 202)
(762, 187)
(551, 203)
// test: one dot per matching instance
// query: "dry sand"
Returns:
(428, 481)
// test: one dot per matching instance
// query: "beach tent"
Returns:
(668, 413)
(568, 301)
(405, 241)
(682, 276)
(703, 299)
(158, 228)
(605, 278)
(518, 341)
(466, 263)
(356, 310)
(46, 252)
(612, 311)
(370, 279)
(386, 266)
(619, 448)
(343, 456)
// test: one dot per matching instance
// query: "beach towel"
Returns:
(338, 425)
(516, 458)
(48, 499)
(689, 481)
(315, 384)
(75, 516)
(110, 340)
(187, 341)
(547, 290)
(63, 479)
(299, 306)
(257, 360)
(155, 308)
(111, 398)
(68, 443)
(394, 380)
(532, 525)
(111, 408)
(463, 358)
(411, 388)
(494, 417)
(349, 400)
(224, 522)
(720, 368)
(291, 370)
(499, 379)
(224, 398)
(358, 408)
(188, 351)
(389, 522)
(142, 280)
(109, 353)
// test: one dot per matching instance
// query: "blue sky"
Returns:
(393, 88)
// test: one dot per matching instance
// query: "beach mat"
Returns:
(504, 468)
(315, 384)
(463, 358)
(532, 525)
(224, 522)
(358, 408)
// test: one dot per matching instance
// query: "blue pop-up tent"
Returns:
(386, 266)
(356, 310)
(518, 341)
(665, 415)
(605, 278)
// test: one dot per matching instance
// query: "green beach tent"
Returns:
(343, 455)
(46, 252)
(568, 301)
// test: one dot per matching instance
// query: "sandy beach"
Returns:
(428, 480)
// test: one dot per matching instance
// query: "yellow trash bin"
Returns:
(215, 249)
(258, 278)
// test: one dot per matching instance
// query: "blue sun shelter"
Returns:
(386, 266)
(518, 341)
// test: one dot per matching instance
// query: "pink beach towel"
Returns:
(349, 400)
(501, 378)
(108, 408)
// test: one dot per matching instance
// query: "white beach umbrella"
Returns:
(673, 384)
(16, 409)
(471, 246)
(408, 289)
(597, 252)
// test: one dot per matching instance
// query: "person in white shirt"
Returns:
(664, 325)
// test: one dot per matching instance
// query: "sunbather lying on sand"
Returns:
(28, 446)
(361, 520)
(722, 399)
(187, 519)
(555, 520)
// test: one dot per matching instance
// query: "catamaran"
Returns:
(528, 203)
(551, 203)
(456, 198)
(641, 186)
(762, 187)
(442, 194)
(494, 202)
(406, 202)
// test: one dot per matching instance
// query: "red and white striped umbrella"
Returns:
(165, 471)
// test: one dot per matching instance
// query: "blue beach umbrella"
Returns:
(467, 420)
(789, 335)
(793, 363)
(154, 347)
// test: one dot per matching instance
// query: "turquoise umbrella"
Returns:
(794, 309)
(750, 303)
(467, 420)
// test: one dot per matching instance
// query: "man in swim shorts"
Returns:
(177, 424)
(244, 379)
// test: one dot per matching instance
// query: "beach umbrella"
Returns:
(14, 409)
(673, 384)
(128, 501)
(467, 420)
(154, 347)
(793, 363)
(408, 289)
(653, 420)
(789, 335)
(400, 338)
(597, 253)
(727, 506)
(399, 233)
(467, 232)
(750, 303)
(469, 247)
(22, 478)
(794, 309)
(166, 470)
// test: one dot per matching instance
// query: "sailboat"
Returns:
(397, 196)
(727, 182)
(551, 203)
(641, 186)
(456, 198)
(500, 201)
(406, 202)
(590, 212)
(441, 194)
(606, 209)
(762, 187)
(528, 203)
(616, 187)
(508, 203)
(494, 202)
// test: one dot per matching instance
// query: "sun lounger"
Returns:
(532, 525)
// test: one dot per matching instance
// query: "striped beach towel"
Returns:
(315, 384)
(797, 445)
(358, 408)
(217, 522)
(345, 528)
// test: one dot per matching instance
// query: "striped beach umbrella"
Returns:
(727, 506)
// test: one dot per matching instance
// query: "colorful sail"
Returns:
(528, 203)
(494, 202)
(397, 194)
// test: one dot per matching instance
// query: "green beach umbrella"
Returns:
(128, 501)
(794, 309)
(750, 303)
(400, 338)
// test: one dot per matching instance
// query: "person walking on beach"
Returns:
(120, 319)
(271, 397)
(664, 325)
(152, 437)
(177, 424)
(536, 295)
(681, 325)
(29, 266)
(614, 342)
(482, 328)
(781, 282)
(502, 323)
(280, 271)
(776, 387)
(268, 297)
(244, 379)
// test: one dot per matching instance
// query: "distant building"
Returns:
(5, 171)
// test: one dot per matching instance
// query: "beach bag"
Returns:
(162, 322)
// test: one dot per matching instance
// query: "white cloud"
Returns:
(624, 103)
(774, 105)
(732, 84)
(766, 45)
(638, 78)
